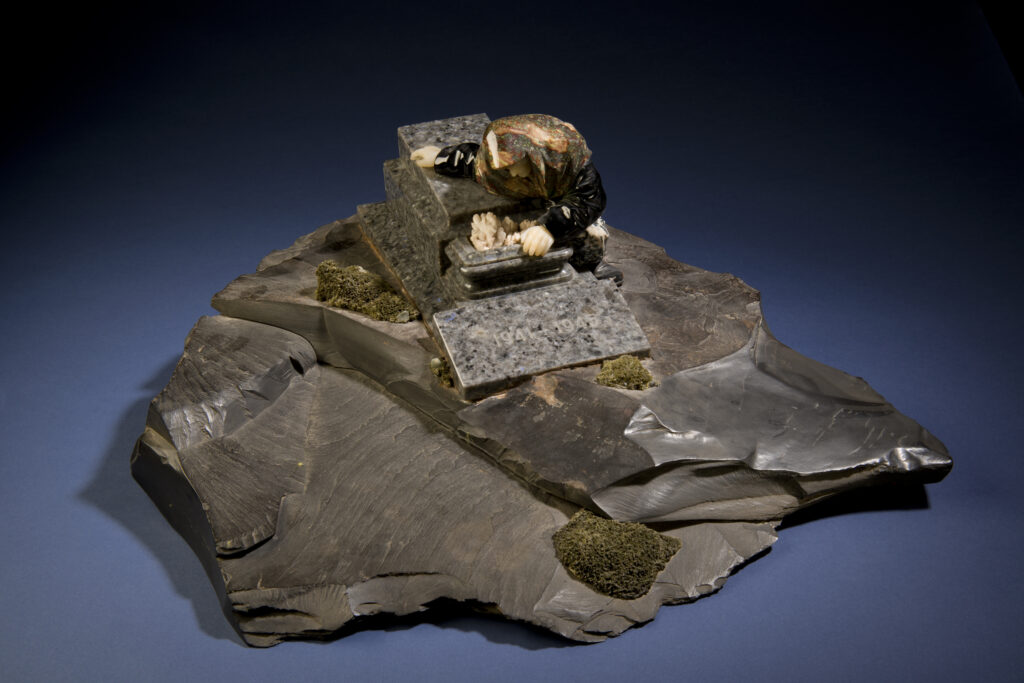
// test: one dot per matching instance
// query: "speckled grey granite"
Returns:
(593, 445)
(414, 264)
(415, 209)
(441, 133)
(455, 199)
(497, 342)
(424, 242)
(432, 214)
(502, 261)
(434, 208)
(417, 241)
(464, 289)
(319, 495)
(755, 435)
(476, 274)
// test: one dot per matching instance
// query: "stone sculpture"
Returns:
(538, 158)
(324, 475)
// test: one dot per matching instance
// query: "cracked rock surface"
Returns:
(322, 474)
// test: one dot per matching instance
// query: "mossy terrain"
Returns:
(443, 371)
(618, 559)
(357, 289)
(625, 372)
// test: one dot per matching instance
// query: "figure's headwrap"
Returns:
(554, 150)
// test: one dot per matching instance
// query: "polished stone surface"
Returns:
(499, 341)
(413, 229)
(411, 257)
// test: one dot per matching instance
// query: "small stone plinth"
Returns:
(478, 274)
(323, 475)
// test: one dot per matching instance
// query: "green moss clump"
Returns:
(625, 372)
(443, 371)
(619, 559)
(359, 290)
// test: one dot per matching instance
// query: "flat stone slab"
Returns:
(499, 341)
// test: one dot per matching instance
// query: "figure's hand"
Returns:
(598, 231)
(537, 240)
(424, 156)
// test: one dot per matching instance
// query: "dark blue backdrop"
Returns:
(861, 165)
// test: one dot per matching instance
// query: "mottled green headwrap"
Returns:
(555, 150)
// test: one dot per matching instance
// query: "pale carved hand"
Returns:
(424, 156)
(537, 240)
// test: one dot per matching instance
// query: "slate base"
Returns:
(322, 475)
(393, 513)
(495, 342)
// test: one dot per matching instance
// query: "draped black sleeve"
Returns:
(570, 215)
(458, 161)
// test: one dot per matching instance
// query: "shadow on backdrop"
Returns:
(868, 499)
(114, 492)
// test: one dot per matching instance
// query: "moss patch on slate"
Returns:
(357, 289)
(618, 559)
(625, 372)
(443, 371)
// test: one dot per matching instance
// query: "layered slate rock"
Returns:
(722, 437)
(755, 435)
(281, 291)
(774, 428)
(390, 514)
(228, 416)
(324, 476)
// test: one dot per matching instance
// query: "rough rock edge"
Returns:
(198, 420)
(268, 616)
(151, 456)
